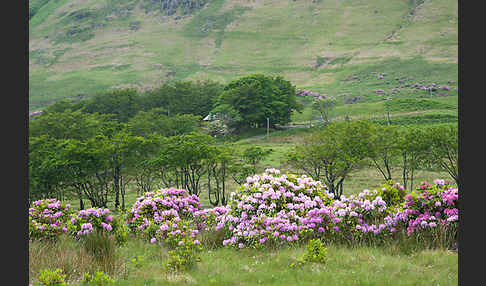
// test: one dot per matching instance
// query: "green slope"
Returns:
(84, 46)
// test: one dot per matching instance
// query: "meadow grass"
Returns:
(141, 263)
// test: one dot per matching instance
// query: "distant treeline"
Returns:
(196, 98)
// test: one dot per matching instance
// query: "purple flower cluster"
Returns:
(269, 209)
(380, 92)
(360, 215)
(93, 219)
(273, 207)
(210, 219)
(277, 209)
(429, 207)
(47, 218)
(163, 214)
(35, 113)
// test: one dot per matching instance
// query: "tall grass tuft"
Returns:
(73, 259)
(102, 248)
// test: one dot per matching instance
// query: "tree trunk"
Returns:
(116, 185)
(223, 198)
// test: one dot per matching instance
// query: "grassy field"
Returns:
(333, 47)
(141, 263)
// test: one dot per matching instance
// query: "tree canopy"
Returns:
(255, 98)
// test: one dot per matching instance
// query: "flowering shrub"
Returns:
(97, 219)
(173, 218)
(278, 209)
(211, 226)
(430, 206)
(156, 210)
(167, 217)
(269, 209)
(357, 217)
(273, 207)
(392, 193)
(47, 219)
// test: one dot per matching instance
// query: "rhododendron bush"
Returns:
(97, 219)
(275, 208)
(47, 219)
(280, 209)
(270, 209)
(165, 215)
(432, 209)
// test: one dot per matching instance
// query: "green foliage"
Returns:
(98, 279)
(156, 121)
(414, 150)
(315, 252)
(333, 152)
(444, 152)
(183, 158)
(228, 115)
(146, 166)
(324, 106)
(87, 164)
(181, 259)
(52, 277)
(182, 97)
(392, 193)
(254, 155)
(46, 167)
(258, 97)
(219, 167)
(70, 124)
(138, 261)
(384, 148)
(184, 251)
(120, 102)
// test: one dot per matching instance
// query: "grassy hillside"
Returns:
(330, 46)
